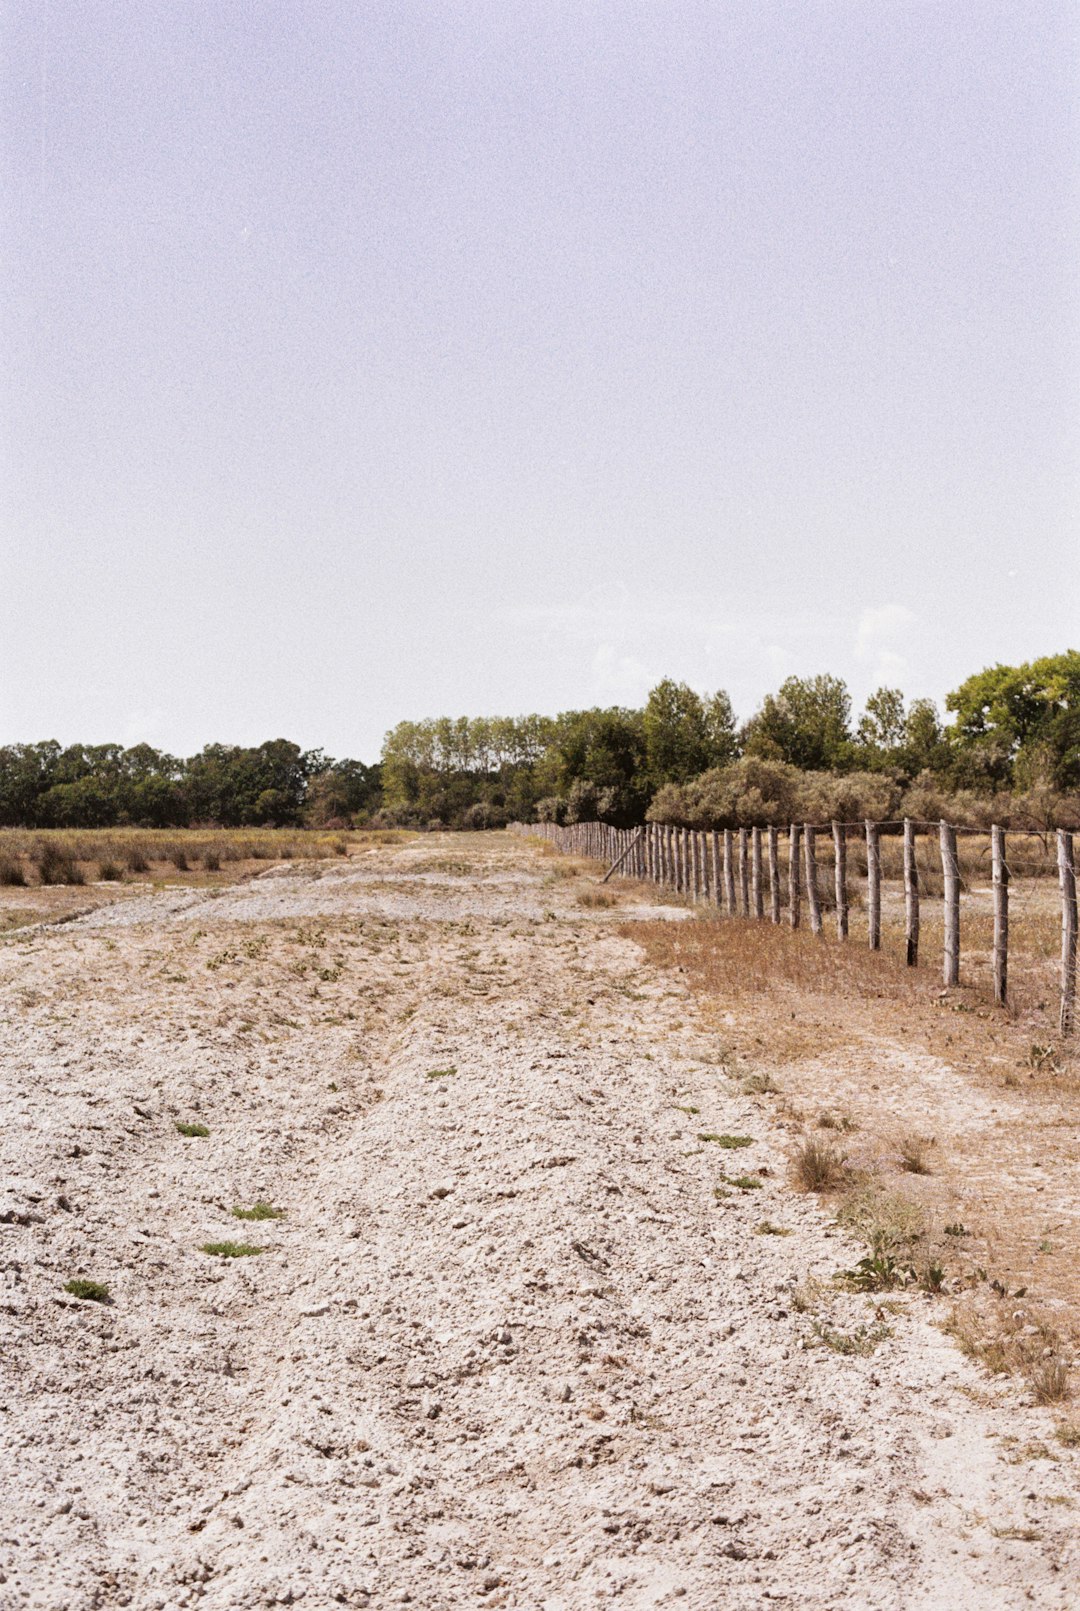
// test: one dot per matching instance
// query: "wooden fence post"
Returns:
(873, 884)
(813, 899)
(911, 895)
(774, 877)
(729, 874)
(1067, 876)
(744, 873)
(950, 870)
(839, 838)
(1000, 875)
(793, 875)
(755, 873)
(715, 844)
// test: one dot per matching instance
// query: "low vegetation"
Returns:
(188, 1128)
(231, 1250)
(90, 1291)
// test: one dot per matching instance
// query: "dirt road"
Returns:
(519, 1338)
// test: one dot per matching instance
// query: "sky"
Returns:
(367, 362)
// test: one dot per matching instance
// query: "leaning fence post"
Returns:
(812, 897)
(755, 873)
(793, 875)
(1000, 875)
(774, 877)
(840, 870)
(744, 873)
(950, 871)
(1067, 876)
(729, 873)
(873, 884)
(911, 895)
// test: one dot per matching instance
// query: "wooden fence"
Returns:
(738, 872)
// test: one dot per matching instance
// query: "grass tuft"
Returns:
(231, 1250)
(187, 1129)
(817, 1166)
(731, 1143)
(259, 1210)
(92, 1291)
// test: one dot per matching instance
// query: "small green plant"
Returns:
(187, 1129)
(732, 1143)
(231, 1250)
(679, 1108)
(767, 1228)
(877, 1272)
(931, 1277)
(862, 1341)
(92, 1291)
(439, 1073)
(259, 1210)
(744, 1182)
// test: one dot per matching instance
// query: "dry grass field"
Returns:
(429, 1225)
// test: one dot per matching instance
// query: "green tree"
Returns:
(805, 724)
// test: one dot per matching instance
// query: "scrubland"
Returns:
(428, 1224)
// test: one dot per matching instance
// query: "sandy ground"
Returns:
(507, 1346)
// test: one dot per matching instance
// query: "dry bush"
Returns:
(882, 1218)
(12, 872)
(914, 1154)
(818, 1166)
(57, 866)
(1015, 1343)
(596, 898)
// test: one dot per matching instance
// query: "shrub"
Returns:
(110, 872)
(91, 1291)
(231, 1250)
(817, 1166)
(55, 866)
(187, 1129)
(136, 860)
(12, 871)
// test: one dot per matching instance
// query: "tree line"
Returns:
(1009, 746)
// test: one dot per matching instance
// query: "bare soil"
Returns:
(520, 1337)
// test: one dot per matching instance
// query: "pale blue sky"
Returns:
(370, 361)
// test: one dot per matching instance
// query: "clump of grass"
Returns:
(760, 1085)
(596, 898)
(439, 1073)
(862, 1341)
(843, 1122)
(807, 1295)
(188, 1129)
(957, 1229)
(766, 1228)
(12, 872)
(178, 857)
(886, 1221)
(259, 1210)
(92, 1291)
(136, 860)
(731, 1143)
(743, 1182)
(914, 1154)
(1049, 1381)
(110, 872)
(817, 1166)
(231, 1250)
(212, 861)
(56, 866)
(1068, 1434)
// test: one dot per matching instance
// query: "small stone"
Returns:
(564, 1392)
(441, 1191)
(312, 1311)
